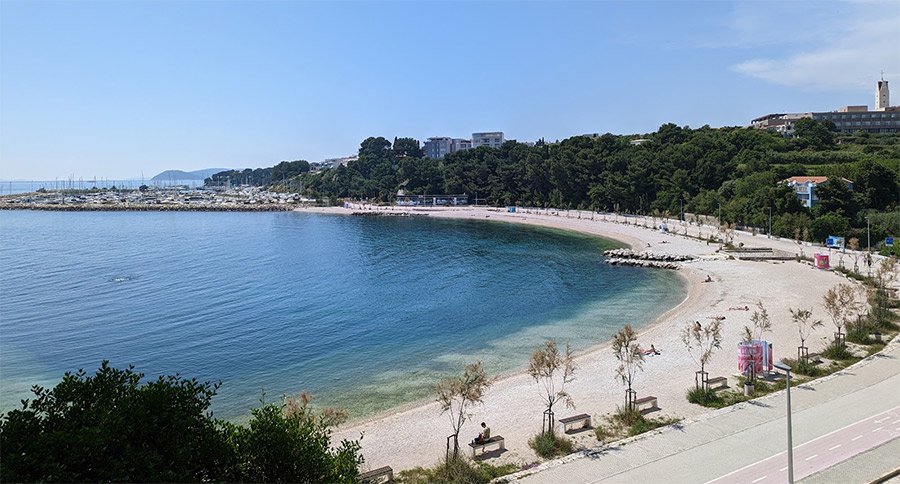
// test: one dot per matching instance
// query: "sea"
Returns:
(363, 313)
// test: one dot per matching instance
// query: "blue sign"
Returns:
(835, 242)
(889, 241)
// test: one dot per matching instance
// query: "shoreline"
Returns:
(512, 404)
(691, 287)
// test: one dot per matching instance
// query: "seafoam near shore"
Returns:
(416, 436)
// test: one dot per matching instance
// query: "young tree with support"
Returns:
(838, 302)
(701, 342)
(553, 371)
(805, 325)
(457, 395)
(631, 360)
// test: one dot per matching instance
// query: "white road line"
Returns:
(896, 421)
(882, 420)
(856, 438)
(782, 469)
(835, 447)
(812, 457)
(876, 430)
(757, 480)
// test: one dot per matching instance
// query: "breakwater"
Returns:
(628, 257)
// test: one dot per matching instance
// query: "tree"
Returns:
(805, 325)
(880, 298)
(553, 371)
(838, 303)
(813, 132)
(631, 360)
(289, 442)
(853, 245)
(829, 224)
(700, 343)
(111, 427)
(458, 394)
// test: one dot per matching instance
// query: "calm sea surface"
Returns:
(365, 313)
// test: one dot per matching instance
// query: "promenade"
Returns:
(846, 428)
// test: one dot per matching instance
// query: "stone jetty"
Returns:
(628, 257)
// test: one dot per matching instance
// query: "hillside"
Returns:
(187, 175)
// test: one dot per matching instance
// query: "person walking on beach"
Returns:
(484, 435)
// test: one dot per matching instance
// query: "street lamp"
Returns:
(790, 446)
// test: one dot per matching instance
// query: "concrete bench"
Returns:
(382, 474)
(583, 419)
(649, 402)
(495, 440)
(718, 382)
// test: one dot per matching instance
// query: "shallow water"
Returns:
(363, 312)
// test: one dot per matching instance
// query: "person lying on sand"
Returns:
(738, 308)
(652, 351)
(708, 279)
(717, 318)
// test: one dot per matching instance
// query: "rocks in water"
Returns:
(628, 257)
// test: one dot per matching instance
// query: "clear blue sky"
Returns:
(113, 89)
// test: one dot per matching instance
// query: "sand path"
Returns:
(415, 436)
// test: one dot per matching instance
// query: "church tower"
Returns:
(882, 96)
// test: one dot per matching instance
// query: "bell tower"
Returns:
(882, 95)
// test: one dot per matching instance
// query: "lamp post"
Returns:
(790, 446)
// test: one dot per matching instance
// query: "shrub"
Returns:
(835, 352)
(647, 424)
(707, 398)
(602, 433)
(456, 471)
(549, 445)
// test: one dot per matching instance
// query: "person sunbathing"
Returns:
(652, 351)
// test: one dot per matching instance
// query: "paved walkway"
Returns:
(852, 414)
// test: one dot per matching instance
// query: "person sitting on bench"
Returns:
(484, 435)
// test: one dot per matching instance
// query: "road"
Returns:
(853, 414)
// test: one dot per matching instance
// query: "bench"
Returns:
(495, 440)
(640, 402)
(719, 382)
(376, 475)
(584, 419)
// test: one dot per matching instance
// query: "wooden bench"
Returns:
(640, 402)
(718, 382)
(495, 440)
(584, 419)
(382, 474)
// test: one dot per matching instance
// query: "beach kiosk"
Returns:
(821, 261)
(759, 353)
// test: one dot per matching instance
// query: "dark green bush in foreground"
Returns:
(111, 427)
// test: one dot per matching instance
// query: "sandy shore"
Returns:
(416, 436)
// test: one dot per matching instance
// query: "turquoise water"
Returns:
(365, 313)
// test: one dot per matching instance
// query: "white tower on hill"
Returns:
(882, 96)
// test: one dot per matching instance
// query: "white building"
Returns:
(492, 139)
(882, 95)
(805, 188)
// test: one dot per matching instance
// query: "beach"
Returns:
(416, 435)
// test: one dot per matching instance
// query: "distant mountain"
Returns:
(187, 175)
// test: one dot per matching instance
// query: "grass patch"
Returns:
(803, 368)
(628, 423)
(458, 471)
(706, 398)
(549, 445)
(835, 352)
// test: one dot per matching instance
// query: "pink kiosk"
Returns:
(821, 261)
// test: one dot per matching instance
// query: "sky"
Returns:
(120, 89)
